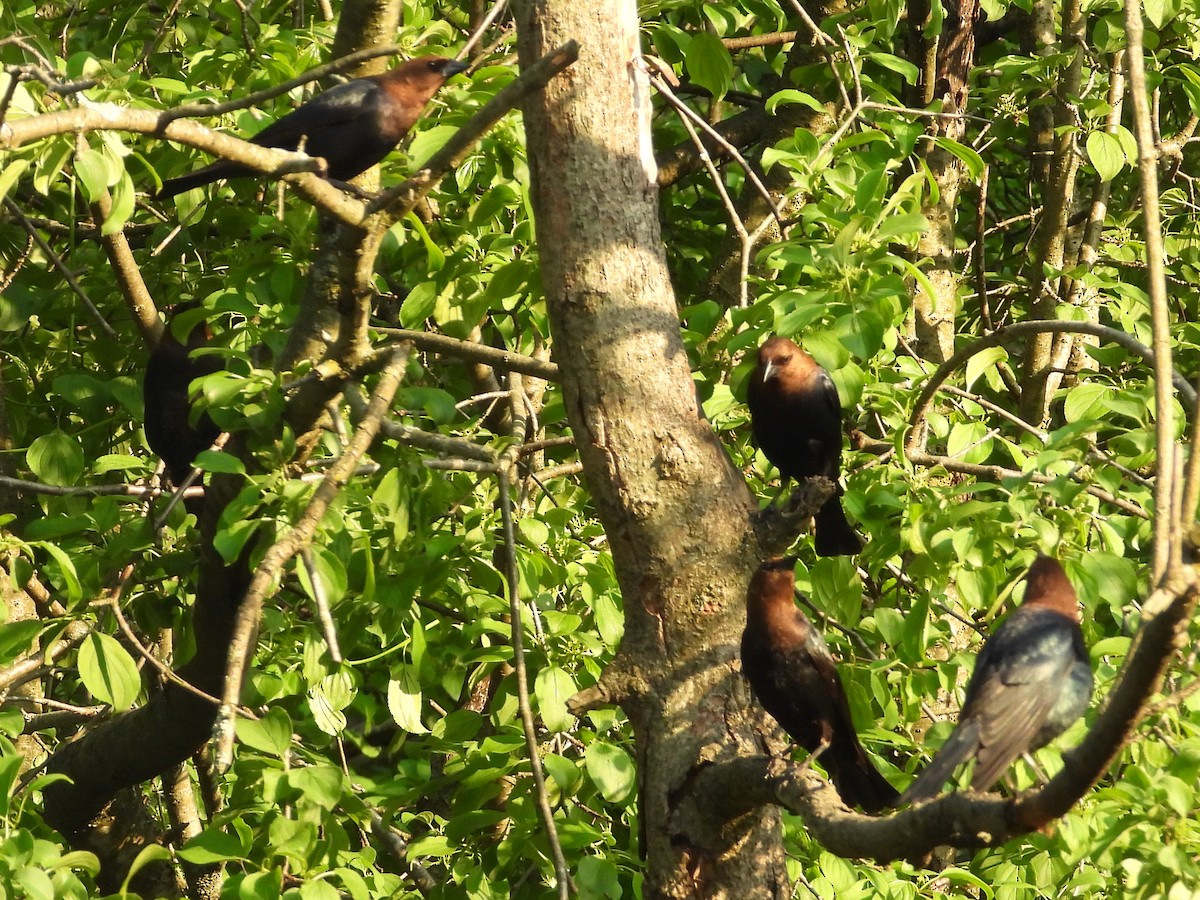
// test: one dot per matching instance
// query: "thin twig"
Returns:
(759, 40)
(473, 351)
(190, 480)
(1191, 489)
(113, 603)
(278, 554)
(917, 417)
(562, 873)
(321, 602)
(397, 848)
(488, 20)
(1166, 549)
(660, 85)
(350, 60)
(66, 273)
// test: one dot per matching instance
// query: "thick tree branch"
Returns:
(964, 818)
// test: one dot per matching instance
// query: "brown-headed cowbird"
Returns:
(794, 677)
(797, 422)
(352, 126)
(1032, 679)
(169, 371)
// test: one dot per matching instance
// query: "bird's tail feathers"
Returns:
(834, 535)
(861, 785)
(963, 742)
(210, 173)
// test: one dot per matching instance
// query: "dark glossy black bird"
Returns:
(797, 422)
(352, 126)
(169, 371)
(793, 675)
(1032, 680)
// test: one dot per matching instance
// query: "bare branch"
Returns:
(348, 61)
(511, 576)
(473, 351)
(1166, 551)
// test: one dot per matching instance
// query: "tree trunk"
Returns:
(934, 312)
(675, 510)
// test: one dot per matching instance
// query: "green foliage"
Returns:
(423, 708)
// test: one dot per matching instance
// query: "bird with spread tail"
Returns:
(169, 431)
(352, 126)
(796, 418)
(793, 675)
(1032, 679)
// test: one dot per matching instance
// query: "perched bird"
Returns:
(1032, 679)
(169, 371)
(794, 677)
(352, 126)
(797, 422)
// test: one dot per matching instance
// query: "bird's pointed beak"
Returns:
(455, 66)
(769, 371)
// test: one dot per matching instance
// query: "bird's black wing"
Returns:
(1023, 672)
(829, 391)
(334, 108)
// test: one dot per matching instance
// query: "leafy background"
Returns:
(420, 722)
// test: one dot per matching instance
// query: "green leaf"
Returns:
(1128, 144)
(149, 854)
(1156, 12)
(609, 621)
(1104, 150)
(331, 572)
(905, 225)
(901, 67)
(419, 304)
(328, 698)
(319, 784)
(123, 195)
(318, 889)
(790, 95)
(108, 671)
(271, 734)
(598, 877)
(1087, 401)
(708, 63)
(437, 259)
(10, 768)
(404, 702)
(564, 771)
(220, 461)
(261, 886)
(92, 172)
(34, 883)
(55, 458)
(964, 154)
(211, 847)
(982, 362)
(553, 687)
(16, 638)
(611, 769)
(11, 174)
